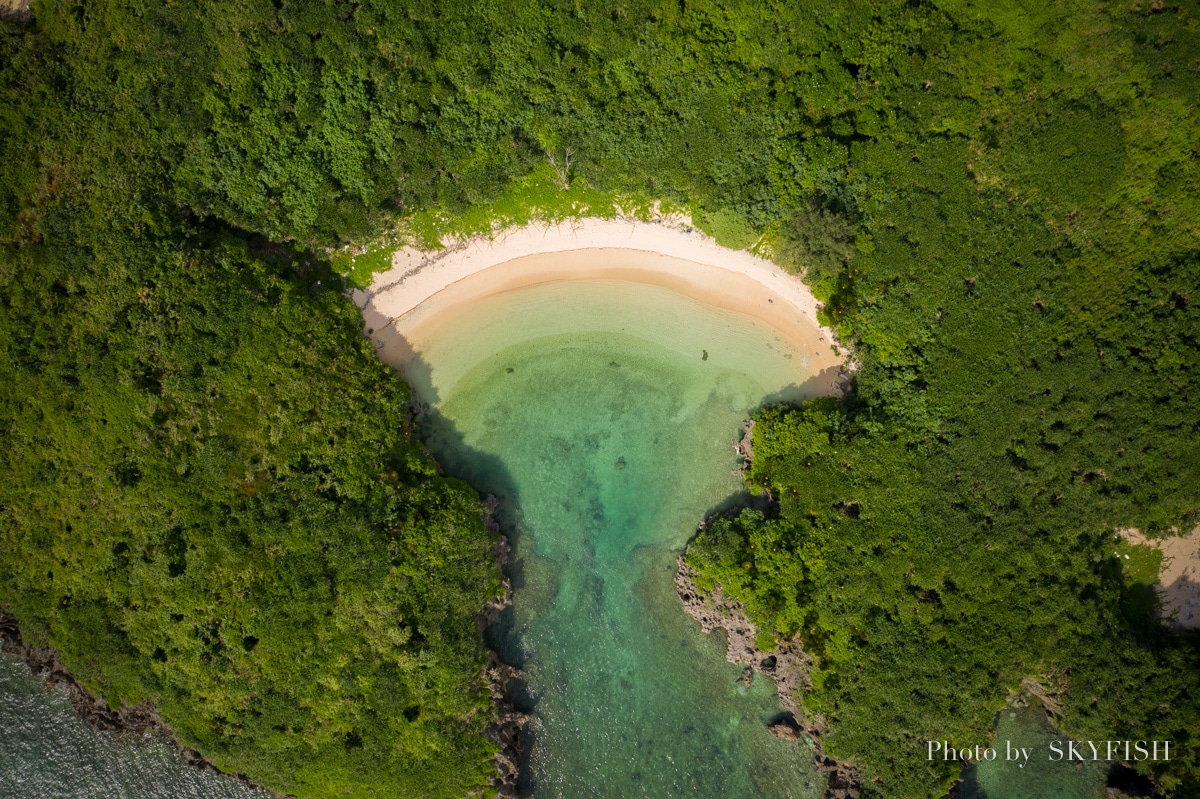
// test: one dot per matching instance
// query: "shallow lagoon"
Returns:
(602, 414)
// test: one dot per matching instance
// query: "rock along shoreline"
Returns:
(787, 666)
(130, 722)
(506, 730)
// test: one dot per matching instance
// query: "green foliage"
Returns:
(727, 227)
(360, 268)
(820, 242)
(1024, 322)
(996, 202)
(213, 503)
(1139, 562)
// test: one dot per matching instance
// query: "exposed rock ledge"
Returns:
(133, 721)
(507, 731)
(787, 667)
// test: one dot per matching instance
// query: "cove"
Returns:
(601, 412)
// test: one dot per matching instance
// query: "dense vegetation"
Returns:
(210, 498)
(211, 501)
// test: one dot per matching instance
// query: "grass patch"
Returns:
(765, 641)
(361, 269)
(1140, 563)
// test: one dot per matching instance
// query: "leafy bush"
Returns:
(997, 204)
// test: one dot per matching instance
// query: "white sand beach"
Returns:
(424, 289)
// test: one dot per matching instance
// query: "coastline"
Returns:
(786, 666)
(425, 290)
(405, 306)
(417, 275)
(506, 730)
(134, 721)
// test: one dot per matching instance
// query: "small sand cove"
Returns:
(594, 378)
(422, 289)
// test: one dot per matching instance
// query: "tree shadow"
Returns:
(1180, 602)
(487, 474)
(828, 382)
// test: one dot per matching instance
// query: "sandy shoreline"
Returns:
(423, 290)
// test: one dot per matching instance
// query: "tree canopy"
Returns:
(211, 495)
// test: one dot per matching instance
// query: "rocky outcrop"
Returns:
(14, 8)
(745, 447)
(133, 721)
(507, 729)
(787, 666)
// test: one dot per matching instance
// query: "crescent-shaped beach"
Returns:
(424, 289)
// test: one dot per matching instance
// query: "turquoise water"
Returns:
(1040, 777)
(602, 415)
(47, 752)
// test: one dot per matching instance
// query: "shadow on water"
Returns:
(820, 384)
(1040, 777)
(487, 473)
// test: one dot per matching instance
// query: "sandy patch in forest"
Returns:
(423, 288)
(1179, 578)
(12, 8)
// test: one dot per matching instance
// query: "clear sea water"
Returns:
(47, 752)
(603, 415)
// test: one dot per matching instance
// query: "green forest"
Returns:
(213, 498)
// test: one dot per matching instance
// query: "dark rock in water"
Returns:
(747, 676)
(788, 669)
(787, 728)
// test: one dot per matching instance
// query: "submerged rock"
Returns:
(787, 666)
